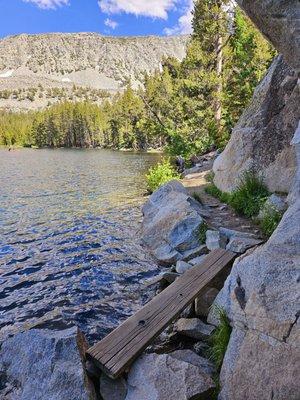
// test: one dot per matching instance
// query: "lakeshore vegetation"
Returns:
(184, 109)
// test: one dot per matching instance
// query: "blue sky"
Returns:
(108, 17)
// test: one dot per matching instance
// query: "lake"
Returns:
(69, 243)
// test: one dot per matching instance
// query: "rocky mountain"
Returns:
(36, 70)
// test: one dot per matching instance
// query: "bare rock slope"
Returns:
(38, 69)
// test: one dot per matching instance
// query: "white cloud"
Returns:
(49, 4)
(148, 8)
(110, 23)
(184, 24)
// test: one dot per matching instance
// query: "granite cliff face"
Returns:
(261, 295)
(38, 69)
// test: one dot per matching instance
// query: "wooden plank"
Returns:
(122, 346)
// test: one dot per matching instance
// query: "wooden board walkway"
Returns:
(122, 346)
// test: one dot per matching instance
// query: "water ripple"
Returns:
(69, 252)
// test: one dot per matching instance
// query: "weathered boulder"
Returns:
(261, 139)
(171, 223)
(262, 299)
(181, 375)
(278, 20)
(44, 364)
(194, 328)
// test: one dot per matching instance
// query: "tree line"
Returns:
(186, 108)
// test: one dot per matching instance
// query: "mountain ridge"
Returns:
(38, 69)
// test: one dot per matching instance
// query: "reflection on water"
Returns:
(69, 251)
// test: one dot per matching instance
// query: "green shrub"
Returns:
(202, 232)
(219, 339)
(160, 174)
(251, 193)
(215, 192)
(270, 221)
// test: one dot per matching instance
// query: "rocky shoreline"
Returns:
(53, 364)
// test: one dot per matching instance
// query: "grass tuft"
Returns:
(202, 232)
(219, 339)
(247, 199)
(249, 196)
(270, 221)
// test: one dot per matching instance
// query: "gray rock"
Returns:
(170, 277)
(112, 389)
(195, 252)
(215, 240)
(273, 203)
(261, 139)
(205, 301)
(241, 244)
(171, 223)
(231, 233)
(43, 364)
(197, 260)
(193, 170)
(181, 375)
(279, 22)
(193, 328)
(182, 266)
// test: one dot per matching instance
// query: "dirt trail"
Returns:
(220, 213)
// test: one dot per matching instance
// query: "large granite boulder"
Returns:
(44, 364)
(262, 299)
(278, 20)
(181, 375)
(261, 139)
(171, 223)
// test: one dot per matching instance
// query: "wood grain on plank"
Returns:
(122, 346)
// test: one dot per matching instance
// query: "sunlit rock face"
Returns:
(278, 20)
(261, 139)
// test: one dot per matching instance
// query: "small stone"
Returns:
(112, 389)
(241, 244)
(170, 277)
(182, 266)
(205, 301)
(198, 260)
(195, 252)
(215, 240)
(194, 328)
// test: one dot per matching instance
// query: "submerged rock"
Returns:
(43, 364)
(171, 223)
(194, 328)
(181, 375)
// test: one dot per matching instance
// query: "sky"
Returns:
(107, 17)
